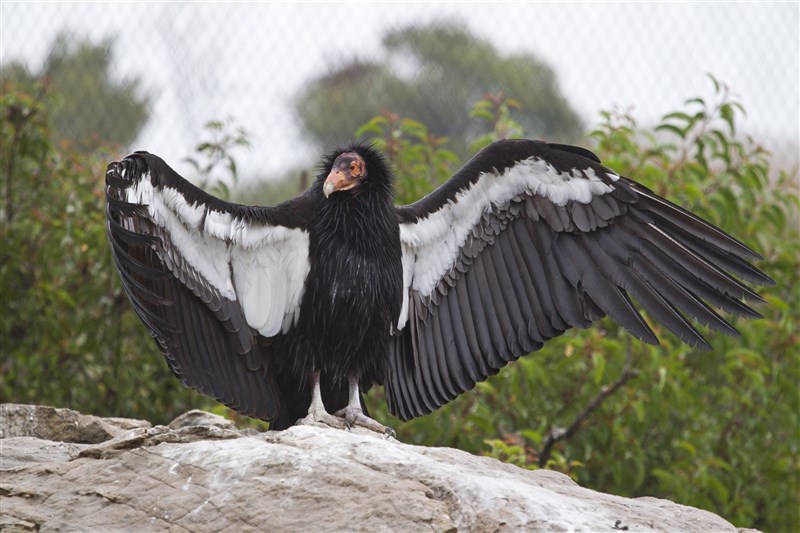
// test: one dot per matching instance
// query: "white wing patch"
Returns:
(431, 245)
(262, 267)
(408, 273)
(269, 283)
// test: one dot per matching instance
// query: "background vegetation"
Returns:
(714, 430)
(68, 336)
(419, 61)
(79, 76)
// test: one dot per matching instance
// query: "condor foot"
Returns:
(317, 417)
(355, 417)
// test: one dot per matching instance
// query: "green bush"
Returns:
(714, 430)
(69, 336)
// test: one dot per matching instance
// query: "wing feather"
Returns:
(208, 278)
(467, 336)
(509, 313)
(453, 345)
(430, 374)
(444, 354)
(536, 284)
(482, 322)
(529, 240)
(564, 311)
(419, 379)
(517, 273)
(495, 358)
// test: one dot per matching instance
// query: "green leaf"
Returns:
(680, 132)
(375, 125)
(535, 437)
(727, 114)
(718, 489)
(686, 445)
(714, 81)
(599, 362)
(481, 142)
(662, 378)
(679, 115)
(639, 409)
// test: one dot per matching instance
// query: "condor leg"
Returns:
(317, 414)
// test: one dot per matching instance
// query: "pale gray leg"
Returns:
(354, 416)
(317, 414)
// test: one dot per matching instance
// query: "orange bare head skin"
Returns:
(346, 174)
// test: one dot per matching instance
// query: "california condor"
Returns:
(274, 311)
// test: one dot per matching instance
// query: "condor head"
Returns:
(347, 174)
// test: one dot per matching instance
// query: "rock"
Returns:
(196, 417)
(210, 478)
(51, 423)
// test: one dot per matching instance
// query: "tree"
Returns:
(439, 56)
(713, 430)
(68, 336)
(80, 74)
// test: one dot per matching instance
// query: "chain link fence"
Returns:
(247, 63)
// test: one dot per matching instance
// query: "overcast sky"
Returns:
(246, 60)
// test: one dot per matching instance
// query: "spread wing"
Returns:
(214, 282)
(530, 239)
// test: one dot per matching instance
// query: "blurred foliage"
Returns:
(81, 82)
(420, 61)
(418, 159)
(715, 430)
(216, 151)
(68, 336)
(273, 191)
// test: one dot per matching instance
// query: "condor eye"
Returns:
(352, 166)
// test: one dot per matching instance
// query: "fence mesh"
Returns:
(248, 62)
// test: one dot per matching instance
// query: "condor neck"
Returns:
(360, 218)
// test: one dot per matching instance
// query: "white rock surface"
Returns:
(208, 478)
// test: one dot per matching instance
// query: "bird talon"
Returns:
(355, 417)
(316, 418)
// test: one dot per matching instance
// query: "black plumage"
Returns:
(274, 310)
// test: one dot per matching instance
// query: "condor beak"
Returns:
(337, 181)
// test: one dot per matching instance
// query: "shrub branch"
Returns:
(557, 433)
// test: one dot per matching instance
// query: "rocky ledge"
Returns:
(64, 471)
